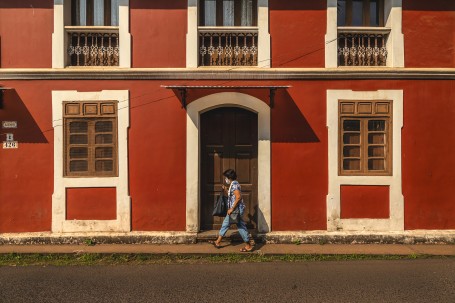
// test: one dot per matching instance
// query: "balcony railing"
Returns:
(362, 46)
(228, 46)
(93, 46)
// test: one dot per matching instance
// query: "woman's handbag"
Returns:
(220, 207)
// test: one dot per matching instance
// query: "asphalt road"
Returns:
(348, 281)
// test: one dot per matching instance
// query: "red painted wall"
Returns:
(26, 29)
(91, 204)
(297, 30)
(26, 173)
(299, 158)
(428, 149)
(158, 30)
(429, 33)
(364, 202)
(157, 138)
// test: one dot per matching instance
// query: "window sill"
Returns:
(228, 29)
(363, 30)
(92, 29)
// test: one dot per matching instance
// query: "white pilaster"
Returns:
(192, 44)
(331, 36)
(124, 34)
(395, 43)
(58, 36)
(264, 52)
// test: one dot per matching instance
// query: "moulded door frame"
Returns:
(193, 174)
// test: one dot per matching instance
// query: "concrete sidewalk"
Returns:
(229, 248)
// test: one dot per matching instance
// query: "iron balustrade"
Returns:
(93, 46)
(228, 46)
(362, 47)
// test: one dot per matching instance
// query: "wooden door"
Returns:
(229, 139)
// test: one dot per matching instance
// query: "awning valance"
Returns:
(183, 89)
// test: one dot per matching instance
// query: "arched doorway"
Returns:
(229, 139)
(193, 155)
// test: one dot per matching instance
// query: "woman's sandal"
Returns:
(244, 249)
(217, 246)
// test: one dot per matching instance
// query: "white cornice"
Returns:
(228, 74)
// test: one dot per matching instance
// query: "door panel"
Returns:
(229, 139)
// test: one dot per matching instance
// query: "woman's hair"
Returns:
(230, 174)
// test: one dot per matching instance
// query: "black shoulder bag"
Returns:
(220, 207)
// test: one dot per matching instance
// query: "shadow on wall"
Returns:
(289, 125)
(27, 4)
(14, 109)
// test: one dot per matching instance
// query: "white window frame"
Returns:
(192, 37)
(396, 220)
(392, 22)
(62, 18)
(122, 223)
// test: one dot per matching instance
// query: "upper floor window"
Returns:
(360, 13)
(94, 33)
(366, 44)
(91, 33)
(228, 13)
(235, 42)
(95, 12)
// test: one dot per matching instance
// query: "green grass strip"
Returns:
(90, 259)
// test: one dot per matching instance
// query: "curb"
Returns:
(321, 238)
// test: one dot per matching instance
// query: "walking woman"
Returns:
(234, 193)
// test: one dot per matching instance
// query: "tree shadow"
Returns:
(289, 125)
(14, 109)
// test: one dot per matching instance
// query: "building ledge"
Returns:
(228, 73)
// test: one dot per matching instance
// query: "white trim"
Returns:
(192, 37)
(62, 18)
(124, 34)
(194, 109)
(264, 43)
(395, 42)
(396, 220)
(123, 218)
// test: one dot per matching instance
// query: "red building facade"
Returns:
(336, 114)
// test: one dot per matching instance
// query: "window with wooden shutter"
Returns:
(90, 135)
(365, 137)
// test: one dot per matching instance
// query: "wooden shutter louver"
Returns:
(365, 137)
(90, 147)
